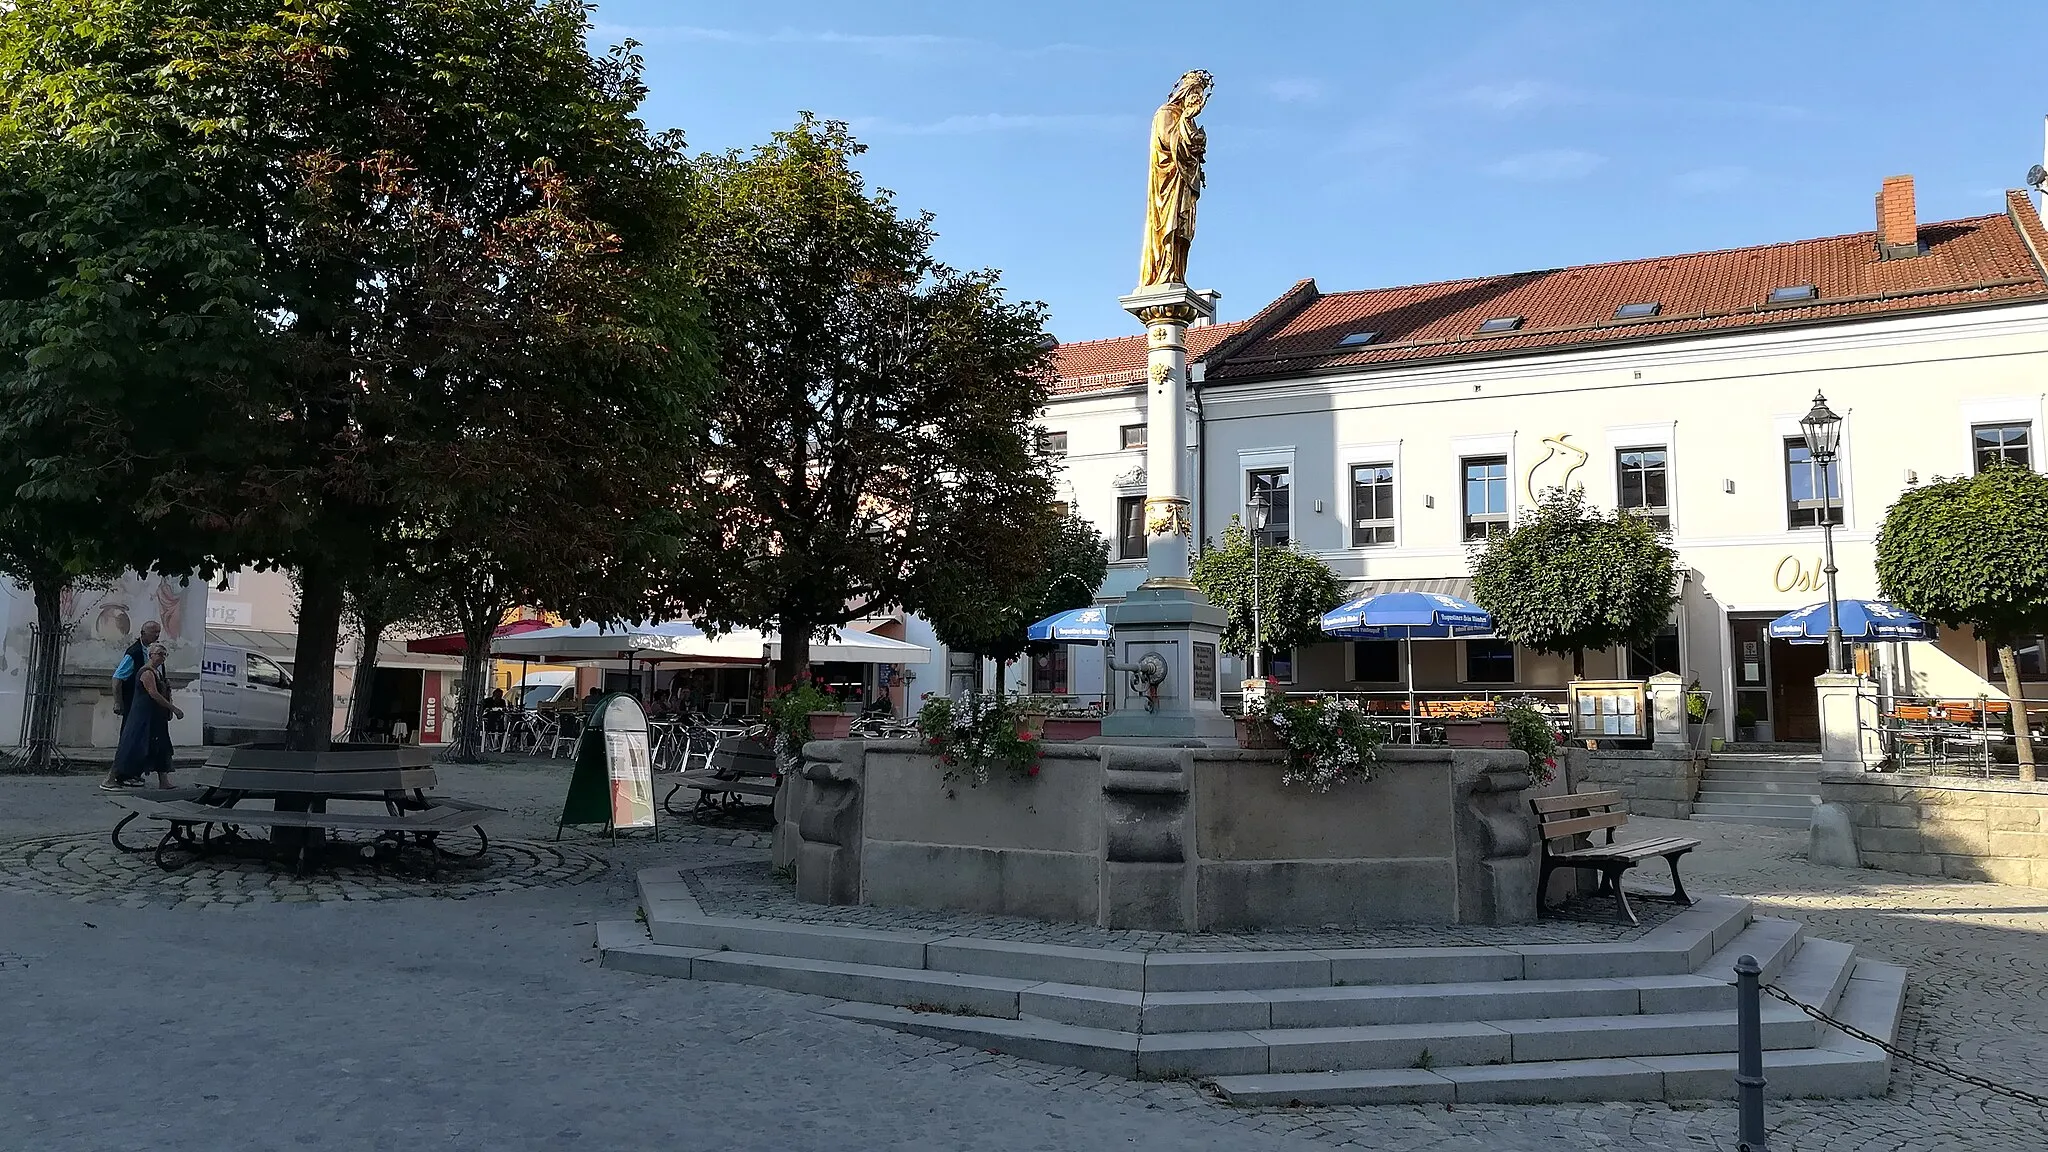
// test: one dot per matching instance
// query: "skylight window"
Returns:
(1638, 311)
(1793, 293)
(1359, 338)
(1501, 324)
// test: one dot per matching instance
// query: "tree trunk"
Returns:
(476, 660)
(795, 663)
(1578, 663)
(366, 675)
(2022, 738)
(44, 697)
(311, 724)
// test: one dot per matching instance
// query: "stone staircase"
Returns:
(1649, 1019)
(1774, 785)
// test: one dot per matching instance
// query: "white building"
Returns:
(1392, 426)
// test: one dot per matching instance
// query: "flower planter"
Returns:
(831, 725)
(1487, 732)
(1070, 730)
(1257, 733)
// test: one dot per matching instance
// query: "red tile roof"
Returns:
(1101, 365)
(1972, 262)
(1981, 260)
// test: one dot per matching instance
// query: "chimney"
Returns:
(1206, 314)
(1898, 228)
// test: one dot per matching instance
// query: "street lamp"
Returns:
(1823, 431)
(1257, 507)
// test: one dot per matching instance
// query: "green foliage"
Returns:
(788, 710)
(1329, 740)
(1569, 579)
(1971, 552)
(872, 442)
(969, 614)
(1696, 706)
(1295, 589)
(1532, 732)
(977, 735)
(409, 266)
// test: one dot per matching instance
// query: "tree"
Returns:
(455, 237)
(970, 614)
(1295, 589)
(1568, 578)
(1973, 552)
(875, 416)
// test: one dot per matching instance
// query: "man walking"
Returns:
(133, 662)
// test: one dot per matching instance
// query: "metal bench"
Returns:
(197, 828)
(1563, 817)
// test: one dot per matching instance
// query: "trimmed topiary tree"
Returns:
(1295, 589)
(1570, 578)
(1973, 552)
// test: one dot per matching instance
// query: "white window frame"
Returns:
(1788, 428)
(1664, 435)
(1293, 666)
(1351, 660)
(1465, 665)
(2002, 410)
(1497, 444)
(1350, 456)
(1251, 460)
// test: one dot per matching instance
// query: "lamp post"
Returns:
(1257, 507)
(1823, 431)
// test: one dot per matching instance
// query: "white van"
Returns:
(244, 690)
(543, 688)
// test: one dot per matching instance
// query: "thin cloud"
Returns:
(988, 122)
(1706, 181)
(1297, 90)
(1547, 166)
(1516, 96)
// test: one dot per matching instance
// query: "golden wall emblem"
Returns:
(1161, 373)
(1167, 516)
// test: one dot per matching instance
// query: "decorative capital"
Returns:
(1168, 314)
(1167, 516)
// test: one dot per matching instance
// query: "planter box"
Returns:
(1071, 730)
(1491, 732)
(831, 725)
(1257, 734)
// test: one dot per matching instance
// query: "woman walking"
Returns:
(146, 731)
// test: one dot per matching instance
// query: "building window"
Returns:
(2033, 658)
(1660, 655)
(1274, 485)
(1049, 671)
(1130, 528)
(1489, 662)
(229, 581)
(1132, 435)
(1053, 443)
(1062, 509)
(1372, 504)
(1809, 488)
(1376, 661)
(2002, 444)
(1644, 481)
(1278, 664)
(1486, 496)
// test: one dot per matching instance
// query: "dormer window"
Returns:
(1793, 294)
(1641, 311)
(1501, 324)
(1357, 338)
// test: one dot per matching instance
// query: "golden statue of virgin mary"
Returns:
(1175, 182)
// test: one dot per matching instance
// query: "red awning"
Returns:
(451, 644)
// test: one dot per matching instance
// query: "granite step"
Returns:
(1720, 786)
(1760, 815)
(1244, 1052)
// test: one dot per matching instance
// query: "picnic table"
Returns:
(382, 793)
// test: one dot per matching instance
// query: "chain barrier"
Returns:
(2037, 1099)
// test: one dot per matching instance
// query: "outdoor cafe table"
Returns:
(232, 786)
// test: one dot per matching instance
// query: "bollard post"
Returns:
(1749, 1056)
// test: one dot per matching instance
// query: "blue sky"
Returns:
(1371, 144)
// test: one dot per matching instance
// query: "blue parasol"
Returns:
(1075, 626)
(1864, 620)
(1404, 616)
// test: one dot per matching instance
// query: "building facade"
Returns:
(1391, 429)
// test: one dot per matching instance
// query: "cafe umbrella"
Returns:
(1404, 616)
(1088, 625)
(1865, 620)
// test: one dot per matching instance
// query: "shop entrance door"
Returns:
(1795, 702)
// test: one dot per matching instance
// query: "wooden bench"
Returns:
(740, 766)
(429, 817)
(1563, 817)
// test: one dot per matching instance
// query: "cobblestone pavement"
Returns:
(751, 890)
(485, 1024)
